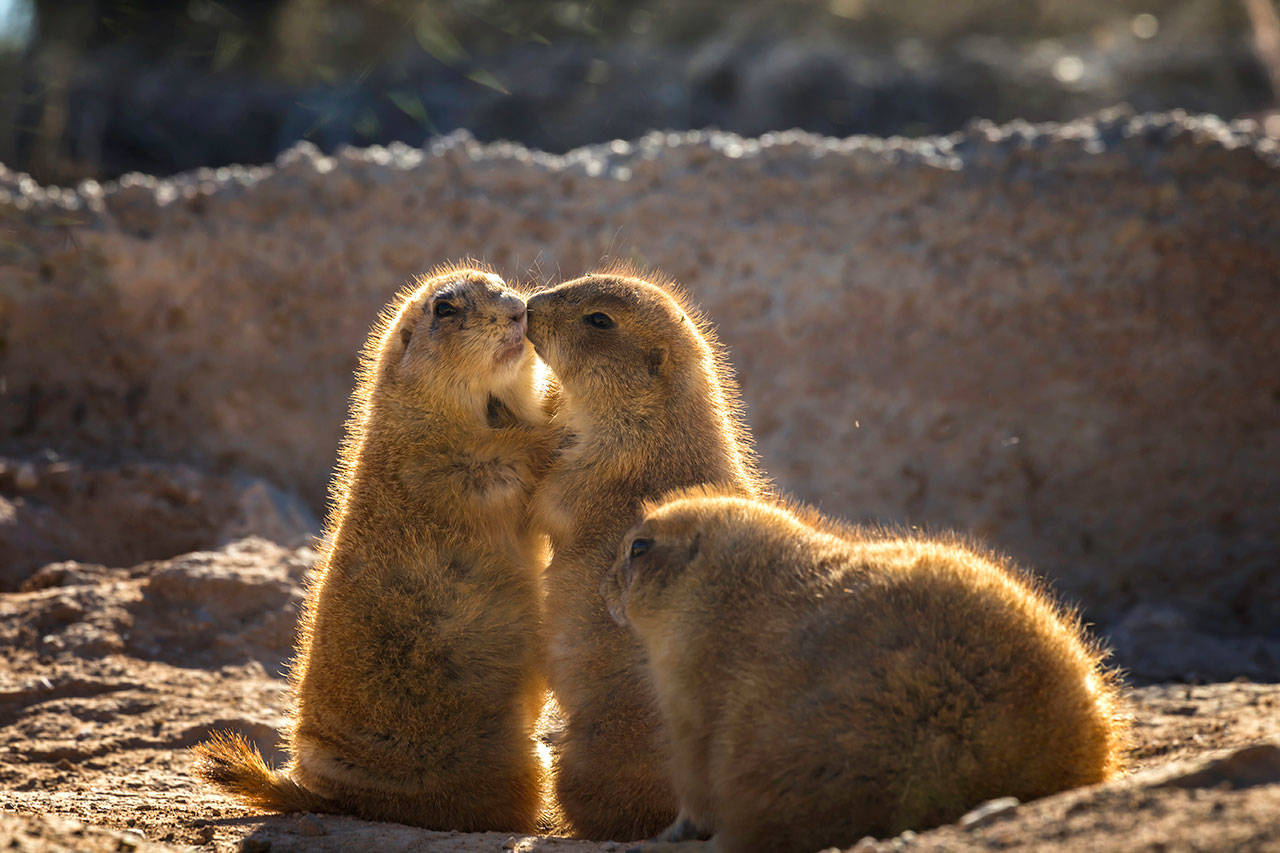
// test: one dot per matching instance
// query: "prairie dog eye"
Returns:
(639, 547)
(599, 319)
(444, 309)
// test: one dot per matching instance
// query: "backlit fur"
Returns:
(419, 672)
(647, 405)
(820, 683)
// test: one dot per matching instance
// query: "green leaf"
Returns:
(485, 78)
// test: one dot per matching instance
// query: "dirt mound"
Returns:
(1219, 801)
(56, 509)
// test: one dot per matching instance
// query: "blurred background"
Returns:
(97, 88)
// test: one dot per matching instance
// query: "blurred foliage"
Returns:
(209, 81)
(328, 39)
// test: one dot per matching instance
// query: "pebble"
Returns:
(988, 813)
(311, 825)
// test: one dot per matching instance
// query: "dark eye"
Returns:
(599, 320)
(640, 546)
(445, 309)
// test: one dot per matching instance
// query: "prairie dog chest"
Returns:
(552, 512)
(554, 508)
(497, 480)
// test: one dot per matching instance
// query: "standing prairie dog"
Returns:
(419, 672)
(649, 405)
(820, 685)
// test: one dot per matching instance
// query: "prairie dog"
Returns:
(419, 673)
(649, 404)
(820, 684)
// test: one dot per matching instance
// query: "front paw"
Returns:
(683, 828)
(684, 834)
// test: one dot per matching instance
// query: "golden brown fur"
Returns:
(820, 683)
(419, 671)
(649, 405)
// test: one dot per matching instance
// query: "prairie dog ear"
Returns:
(406, 335)
(656, 359)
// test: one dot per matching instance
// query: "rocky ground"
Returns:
(108, 676)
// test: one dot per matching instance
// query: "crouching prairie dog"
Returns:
(648, 404)
(419, 673)
(820, 685)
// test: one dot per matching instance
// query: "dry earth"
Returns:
(1060, 339)
(109, 674)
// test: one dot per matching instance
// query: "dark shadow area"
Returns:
(97, 89)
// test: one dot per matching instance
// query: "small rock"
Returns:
(204, 835)
(988, 813)
(311, 825)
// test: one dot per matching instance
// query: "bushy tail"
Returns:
(551, 818)
(230, 762)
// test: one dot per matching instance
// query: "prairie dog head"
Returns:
(619, 342)
(687, 548)
(459, 333)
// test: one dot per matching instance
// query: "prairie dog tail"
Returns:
(230, 762)
(549, 726)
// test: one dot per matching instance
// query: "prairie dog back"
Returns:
(903, 680)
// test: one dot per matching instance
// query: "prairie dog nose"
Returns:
(520, 316)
